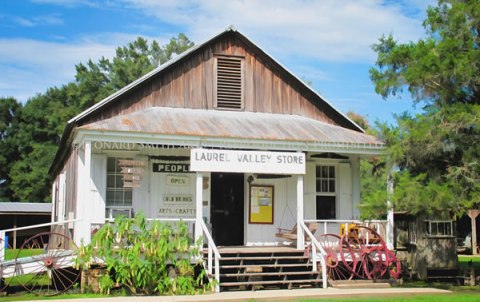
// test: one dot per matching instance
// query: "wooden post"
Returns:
(473, 217)
(300, 231)
(2, 248)
(389, 227)
(198, 205)
(15, 231)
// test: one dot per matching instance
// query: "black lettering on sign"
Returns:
(169, 168)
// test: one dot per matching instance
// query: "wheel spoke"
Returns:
(50, 275)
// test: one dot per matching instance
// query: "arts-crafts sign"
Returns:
(212, 160)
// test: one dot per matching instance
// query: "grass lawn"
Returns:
(14, 253)
(469, 260)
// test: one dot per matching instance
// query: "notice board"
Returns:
(261, 204)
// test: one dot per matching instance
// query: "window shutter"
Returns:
(229, 83)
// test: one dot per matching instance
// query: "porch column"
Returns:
(198, 205)
(389, 227)
(84, 196)
(300, 232)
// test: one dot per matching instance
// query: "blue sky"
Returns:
(326, 42)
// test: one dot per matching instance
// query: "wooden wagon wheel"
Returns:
(4, 246)
(48, 270)
(371, 257)
(352, 254)
(394, 266)
(336, 270)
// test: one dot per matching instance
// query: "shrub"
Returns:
(146, 258)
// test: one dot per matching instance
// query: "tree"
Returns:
(436, 154)
(29, 140)
(10, 112)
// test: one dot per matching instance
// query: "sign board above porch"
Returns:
(213, 160)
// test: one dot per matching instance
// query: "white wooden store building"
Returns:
(222, 134)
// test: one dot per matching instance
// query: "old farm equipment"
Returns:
(360, 253)
(44, 264)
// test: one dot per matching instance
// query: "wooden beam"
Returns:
(473, 217)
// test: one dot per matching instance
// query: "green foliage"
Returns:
(10, 114)
(442, 68)
(30, 134)
(435, 155)
(145, 257)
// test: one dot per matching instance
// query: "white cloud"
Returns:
(30, 66)
(329, 30)
(39, 20)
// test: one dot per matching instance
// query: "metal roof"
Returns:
(231, 124)
(25, 207)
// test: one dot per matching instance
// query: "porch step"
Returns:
(269, 274)
(261, 284)
(243, 268)
(280, 265)
(345, 284)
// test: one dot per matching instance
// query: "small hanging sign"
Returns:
(132, 171)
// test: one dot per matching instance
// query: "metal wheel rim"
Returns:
(49, 269)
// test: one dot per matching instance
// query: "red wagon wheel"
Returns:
(4, 247)
(336, 270)
(47, 268)
(366, 255)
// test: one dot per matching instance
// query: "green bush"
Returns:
(146, 258)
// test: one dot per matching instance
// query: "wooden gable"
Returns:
(190, 83)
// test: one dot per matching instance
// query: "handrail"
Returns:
(212, 248)
(316, 246)
(39, 225)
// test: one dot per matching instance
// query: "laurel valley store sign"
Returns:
(210, 160)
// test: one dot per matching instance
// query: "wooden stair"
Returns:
(266, 268)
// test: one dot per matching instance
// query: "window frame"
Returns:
(447, 225)
(123, 207)
(327, 193)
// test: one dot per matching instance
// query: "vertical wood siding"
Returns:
(189, 84)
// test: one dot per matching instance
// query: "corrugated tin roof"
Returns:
(25, 207)
(231, 124)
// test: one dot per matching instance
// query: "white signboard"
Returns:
(212, 160)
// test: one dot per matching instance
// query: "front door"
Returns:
(227, 208)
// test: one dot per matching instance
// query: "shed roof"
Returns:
(25, 207)
(231, 124)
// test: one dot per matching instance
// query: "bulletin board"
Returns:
(261, 204)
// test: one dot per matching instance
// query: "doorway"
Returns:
(227, 208)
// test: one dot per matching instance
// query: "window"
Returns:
(228, 82)
(326, 192)
(439, 228)
(119, 198)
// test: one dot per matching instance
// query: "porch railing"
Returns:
(315, 255)
(30, 227)
(334, 226)
(212, 251)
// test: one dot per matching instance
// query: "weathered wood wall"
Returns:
(190, 84)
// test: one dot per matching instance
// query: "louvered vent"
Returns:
(229, 83)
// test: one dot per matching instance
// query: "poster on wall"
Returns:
(173, 190)
(261, 204)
